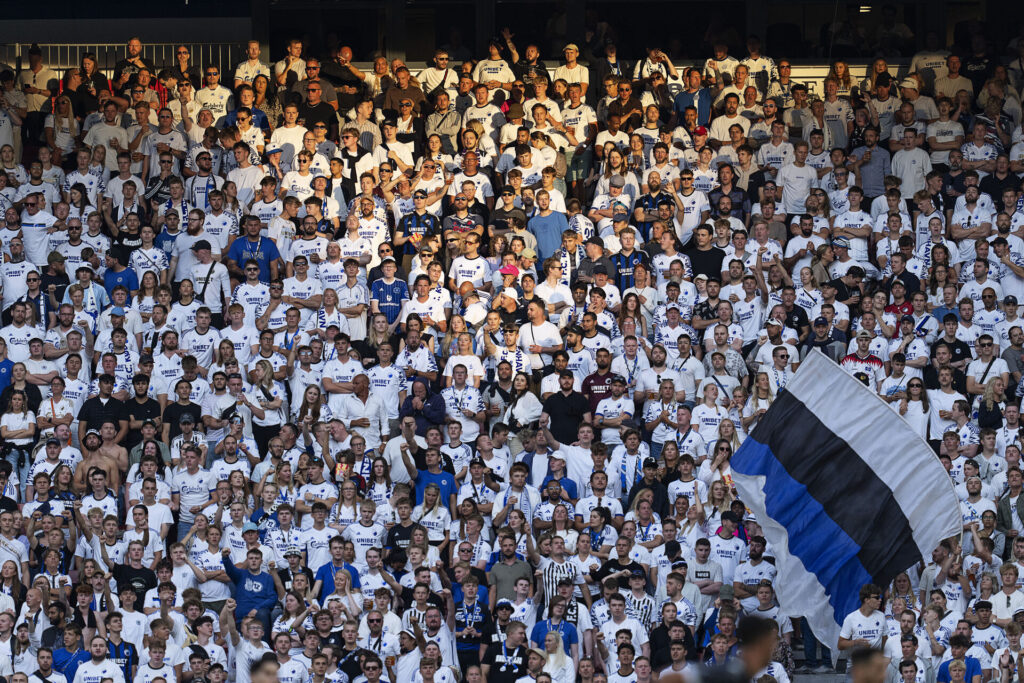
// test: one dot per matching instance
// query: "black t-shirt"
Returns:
(797, 319)
(506, 665)
(174, 411)
(142, 579)
(706, 262)
(348, 662)
(494, 634)
(147, 410)
(432, 600)
(317, 113)
(399, 537)
(95, 412)
(612, 566)
(931, 379)
(566, 413)
(958, 347)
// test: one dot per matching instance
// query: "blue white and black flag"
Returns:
(845, 491)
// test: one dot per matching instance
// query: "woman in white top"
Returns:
(709, 414)
(914, 406)
(808, 294)
(691, 527)
(270, 397)
(525, 408)
(295, 620)
(464, 356)
(561, 667)
(562, 526)
(759, 402)
(379, 485)
(61, 128)
(350, 599)
(148, 258)
(434, 517)
(17, 428)
(587, 562)
(346, 510)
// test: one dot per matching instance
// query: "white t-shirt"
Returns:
(871, 628)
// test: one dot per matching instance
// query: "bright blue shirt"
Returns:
(67, 662)
(457, 595)
(5, 373)
(252, 591)
(564, 628)
(165, 241)
(259, 119)
(325, 575)
(568, 484)
(263, 251)
(444, 481)
(126, 277)
(942, 676)
(548, 231)
(389, 298)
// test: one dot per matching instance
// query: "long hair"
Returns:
(990, 398)
(68, 120)
(387, 472)
(267, 380)
(306, 408)
(924, 395)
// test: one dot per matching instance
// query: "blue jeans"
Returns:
(20, 458)
(812, 647)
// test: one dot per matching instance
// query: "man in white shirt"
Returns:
(796, 179)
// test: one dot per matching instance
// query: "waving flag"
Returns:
(846, 492)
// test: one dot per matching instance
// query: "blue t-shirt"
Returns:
(389, 298)
(165, 241)
(568, 484)
(444, 481)
(67, 662)
(457, 595)
(326, 573)
(564, 628)
(973, 669)
(263, 251)
(548, 231)
(126, 277)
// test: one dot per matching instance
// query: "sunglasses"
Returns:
(213, 73)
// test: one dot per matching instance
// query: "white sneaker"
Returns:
(823, 669)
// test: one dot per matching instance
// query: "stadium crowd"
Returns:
(315, 374)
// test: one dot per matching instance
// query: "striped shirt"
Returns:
(552, 572)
